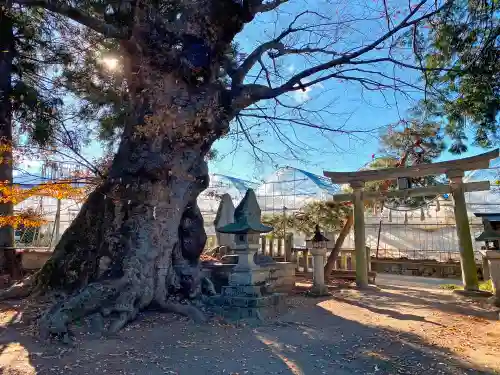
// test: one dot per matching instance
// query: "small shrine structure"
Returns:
(453, 169)
(491, 254)
(491, 233)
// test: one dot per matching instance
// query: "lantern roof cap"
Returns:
(246, 217)
(318, 236)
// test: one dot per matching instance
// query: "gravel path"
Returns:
(397, 330)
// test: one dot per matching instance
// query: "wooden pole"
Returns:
(359, 235)
(288, 247)
(467, 260)
(263, 244)
(55, 231)
(378, 237)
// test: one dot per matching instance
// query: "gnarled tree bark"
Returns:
(128, 248)
(138, 238)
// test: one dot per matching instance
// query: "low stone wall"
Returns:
(281, 275)
(34, 259)
(429, 268)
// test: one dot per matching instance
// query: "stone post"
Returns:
(279, 247)
(359, 235)
(343, 260)
(368, 259)
(319, 288)
(493, 258)
(467, 260)
(486, 267)
(225, 216)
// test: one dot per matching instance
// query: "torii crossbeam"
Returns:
(453, 169)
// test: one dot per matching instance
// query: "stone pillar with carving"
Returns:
(224, 216)
(493, 258)
(319, 287)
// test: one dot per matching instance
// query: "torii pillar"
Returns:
(467, 259)
(359, 234)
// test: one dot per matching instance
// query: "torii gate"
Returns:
(454, 170)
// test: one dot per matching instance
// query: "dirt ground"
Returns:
(395, 330)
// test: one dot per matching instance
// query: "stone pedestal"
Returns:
(248, 294)
(246, 272)
(493, 258)
(319, 288)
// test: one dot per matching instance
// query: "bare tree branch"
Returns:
(259, 92)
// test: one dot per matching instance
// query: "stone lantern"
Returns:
(491, 254)
(247, 294)
(246, 229)
(317, 245)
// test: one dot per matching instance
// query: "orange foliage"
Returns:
(5, 147)
(60, 190)
(13, 193)
(16, 194)
(16, 221)
(24, 219)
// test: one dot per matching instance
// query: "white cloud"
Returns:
(301, 96)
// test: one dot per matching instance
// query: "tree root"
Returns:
(119, 300)
(190, 311)
(19, 290)
(92, 299)
(207, 287)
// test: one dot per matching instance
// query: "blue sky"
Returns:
(356, 109)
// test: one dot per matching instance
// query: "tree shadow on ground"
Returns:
(391, 313)
(392, 295)
(307, 339)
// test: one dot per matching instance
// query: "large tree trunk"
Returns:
(332, 258)
(8, 259)
(138, 238)
(122, 252)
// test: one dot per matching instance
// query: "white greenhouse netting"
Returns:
(288, 189)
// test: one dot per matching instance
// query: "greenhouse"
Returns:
(425, 233)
